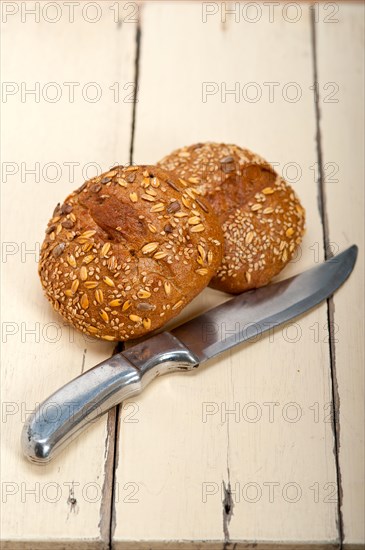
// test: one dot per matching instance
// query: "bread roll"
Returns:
(261, 217)
(127, 251)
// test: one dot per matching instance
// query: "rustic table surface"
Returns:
(265, 446)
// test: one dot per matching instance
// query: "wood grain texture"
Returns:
(67, 503)
(204, 476)
(341, 69)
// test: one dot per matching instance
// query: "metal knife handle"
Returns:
(68, 411)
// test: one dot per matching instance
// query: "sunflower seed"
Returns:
(168, 228)
(95, 188)
(173, 207)
(57, 251)
(143, 306)
(66, 208)
(67, 224)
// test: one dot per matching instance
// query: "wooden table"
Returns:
(265, 448)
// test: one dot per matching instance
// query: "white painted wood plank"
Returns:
(175, 460)
(38, 510)
(340, 52)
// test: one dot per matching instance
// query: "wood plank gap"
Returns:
(327, 254)
(107, 521)
(120, 346)
(136, 84)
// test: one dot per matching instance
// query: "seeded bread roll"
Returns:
(127, 251)
(261, 217)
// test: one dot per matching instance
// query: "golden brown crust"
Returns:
(262, 219)
(127, 251)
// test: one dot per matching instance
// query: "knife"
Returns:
(62, 417)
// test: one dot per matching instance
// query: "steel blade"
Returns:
(257, 311)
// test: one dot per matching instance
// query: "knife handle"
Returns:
(68, 411)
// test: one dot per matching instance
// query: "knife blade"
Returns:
(68, 411)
